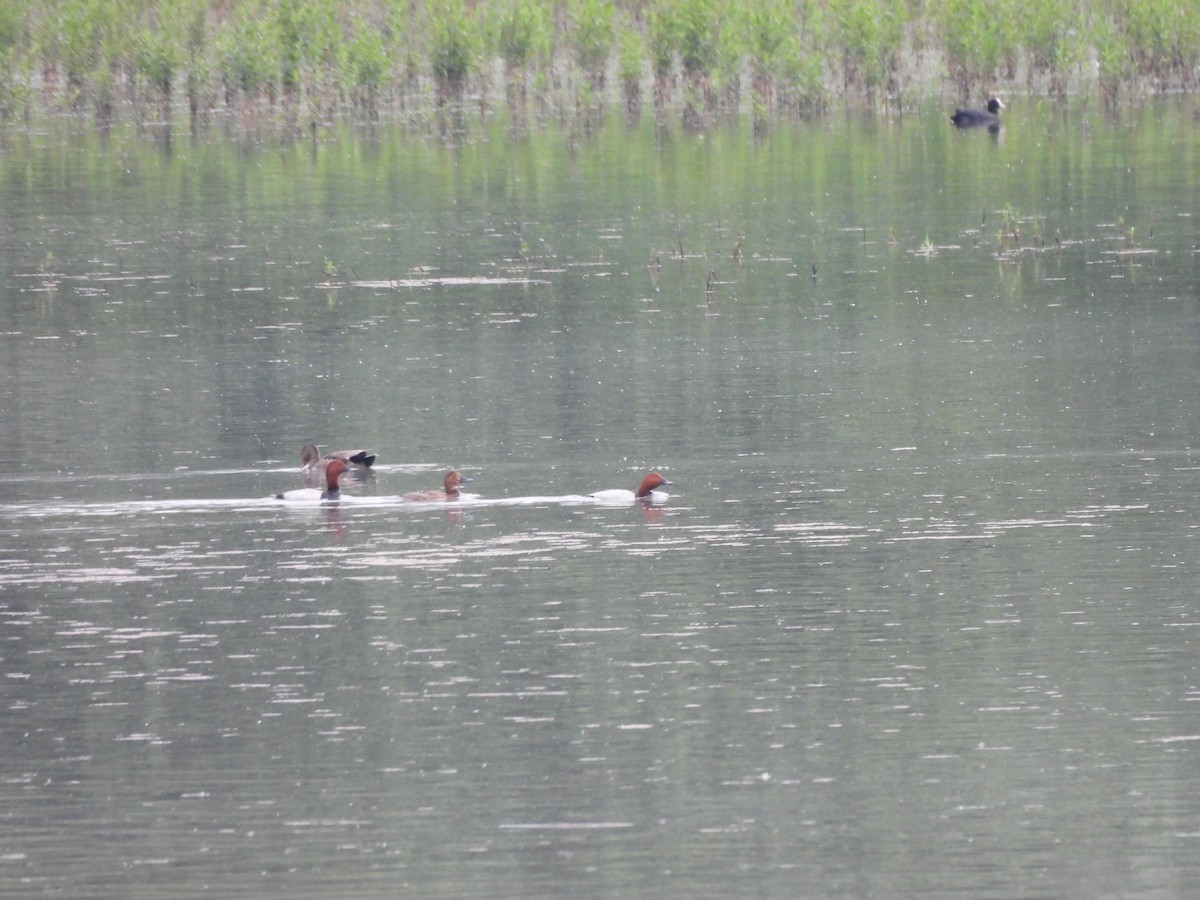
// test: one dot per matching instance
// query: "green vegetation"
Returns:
(454, 48)
(325, 56)
(871, 35)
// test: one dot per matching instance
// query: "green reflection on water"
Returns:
(292, 288)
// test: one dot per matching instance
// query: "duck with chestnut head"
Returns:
(334, 469)
(449, 491)
(648, 489)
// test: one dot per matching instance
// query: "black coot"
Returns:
(971, 118)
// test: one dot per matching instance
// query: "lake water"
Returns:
(919, 616)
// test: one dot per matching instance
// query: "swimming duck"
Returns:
(972, 118)
(333, 469)
(450, 484)
(311, 458)
(619, 495)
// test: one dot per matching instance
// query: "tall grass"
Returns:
(1163, 36)
(454, 45)
(366, 58)
(592, 36)
(247, 55)
(12, 38)
(697, 54)
(871, 35)
(974, 37)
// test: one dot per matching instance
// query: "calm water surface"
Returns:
(918, 618)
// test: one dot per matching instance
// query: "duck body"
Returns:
(618, 496)
(311, 457)
(973, 118)
(333, 469)
(450, 483)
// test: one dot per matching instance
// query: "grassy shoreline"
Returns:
(313, 60)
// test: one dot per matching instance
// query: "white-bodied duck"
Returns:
(333, 469)
(646, 489)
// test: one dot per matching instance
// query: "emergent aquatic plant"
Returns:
(799, 53)
(592, 34)
(453, 45)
